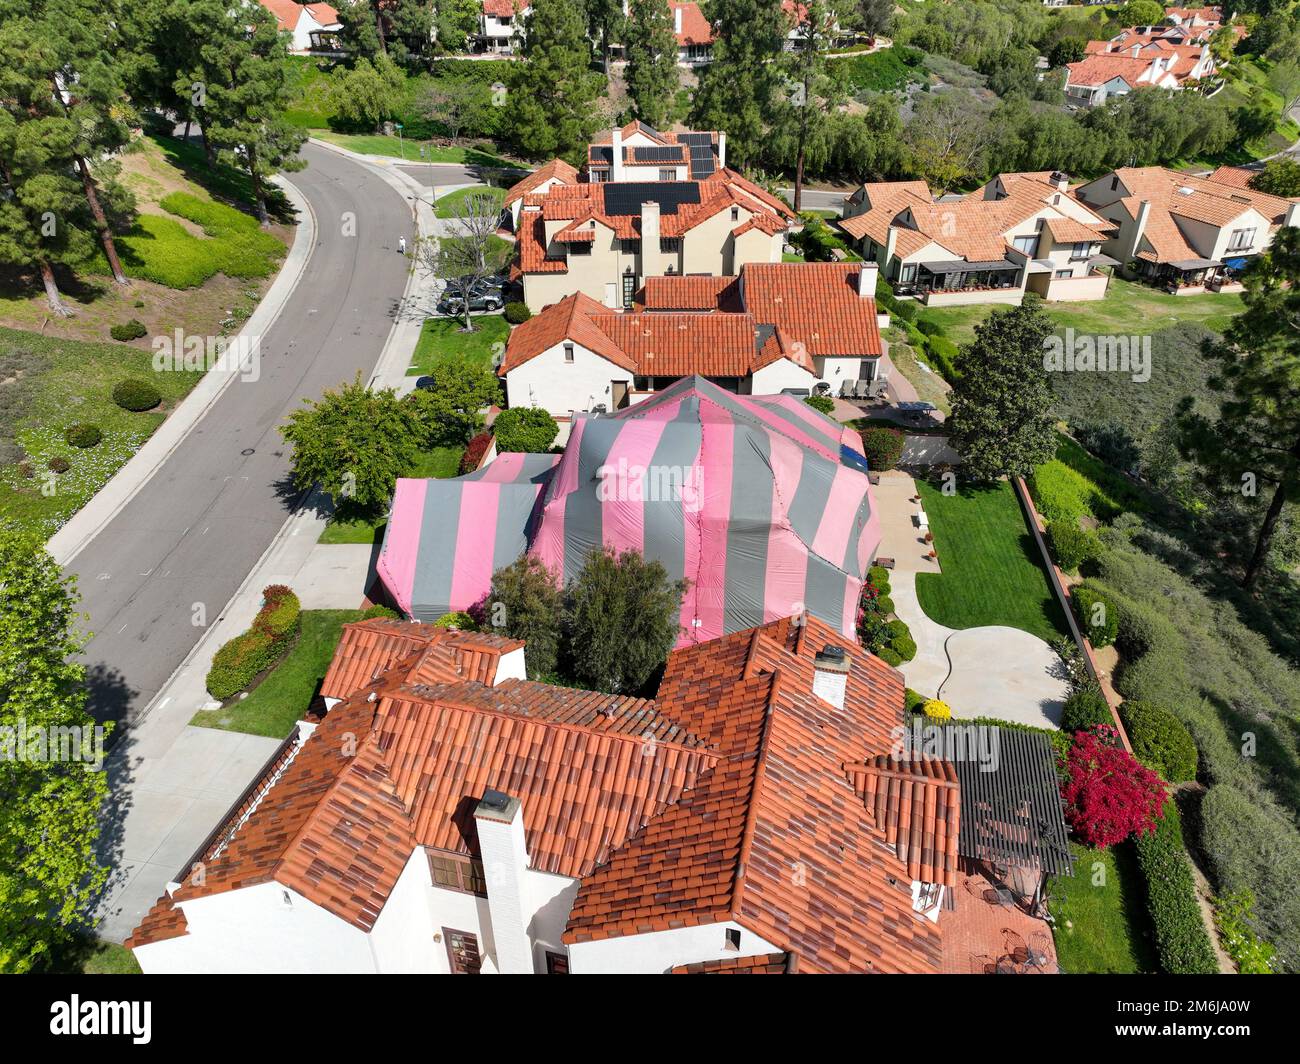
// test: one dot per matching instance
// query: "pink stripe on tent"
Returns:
(869, 541)
(625, 483)
(707, 597)
(548, 543)
(504, 467)
(396, 565)
(852, 439)
(787, 555)
(849, 622)
(566, 480)
(832, 538)
(476, 537)
(788, 429)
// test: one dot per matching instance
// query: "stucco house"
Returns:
(1112, 69)
(1018, 233)
(1186, 233)
(776, 326)
(313, 28)
(501, 26)
(639, 217)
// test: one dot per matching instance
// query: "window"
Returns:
(556, 963)
(1080, 251)
(596, 176)
(580, 249)
(1241, 238)
(629, 290)
(1064, 273)
(568, 352)
(630, 247)
(455, 871)
(733, 940)
(1027, 245)
(908, 273)
(667, 175)
(670, 244)
(735, 214)
(462, 952)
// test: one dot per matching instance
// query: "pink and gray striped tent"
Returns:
(760, 502)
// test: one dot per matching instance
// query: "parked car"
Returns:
(482, 297)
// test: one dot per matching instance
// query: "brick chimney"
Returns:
(831, 674)
(500, 822)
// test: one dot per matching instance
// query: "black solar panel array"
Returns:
(671, 153)
(626, 197)
(601, 154)
(704, 160)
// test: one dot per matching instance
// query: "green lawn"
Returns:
(286, 693)
(84, 955)
(378, 144)
(1101, 923)
(438, 464)
(441, 339)
(451, 202)
(991, 574)
(1128, 309)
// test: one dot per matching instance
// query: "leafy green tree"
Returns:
(354, 443)
(651, 72)
(50, 801)
(1142, 13)
(526, 602)
(1281, 177)
(622, 620)
(368, 94)
(456, 104)
(465, 260)
(1284, 79)
(1001, 421)
(947, 138)
(1067, 50)
(551, 109)
(740, 91)
(1252, 447)
(811, 93)
(450, 410)
(604, 19)
(874, 17)
(530, 429)
(457, 21)
(364, 33)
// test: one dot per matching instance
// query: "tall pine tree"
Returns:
(651, 72)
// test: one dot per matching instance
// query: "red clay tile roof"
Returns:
(916, 802)
(160, 923)
(504, 8)
(1067, 230)
(695, 27)
(814, 303)
(287, 13)
(368, 649)
(690, 292)
(569, 319)
(763, 964)
(531, 242)
(1236, 176)
(556, 169)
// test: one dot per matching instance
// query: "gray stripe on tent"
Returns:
(748, 528)
(860, 520)
(583, 527)
(514, 509)
(824, 590)
(821, 435)
(678, 451)
(435, 558)
(807, 509)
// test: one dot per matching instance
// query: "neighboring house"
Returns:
(604, 237)
(1018, 233)
(756, 816)
(777, 326)
(1187, 233)
(539, 182)
(314, 28)
(501, 26)
(1116, 70)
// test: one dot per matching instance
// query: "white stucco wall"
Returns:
(775, 376)
(659, 951)
(561, 387)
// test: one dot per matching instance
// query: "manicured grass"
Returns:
(377, 144)
(438, 464)
(930, 386)
(441, 339)
(1101, 925)
(286, 693)
(84, 955)
(991, 574)
(1129, 309)
(451, 202)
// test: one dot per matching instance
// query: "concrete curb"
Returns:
(108, 502)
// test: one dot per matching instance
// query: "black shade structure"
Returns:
(626, 197)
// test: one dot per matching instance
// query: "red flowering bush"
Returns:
(1109, 795)
(474, 452)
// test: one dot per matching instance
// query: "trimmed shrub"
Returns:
(517, 313)
(930, 327)
(1235, 917)
(889, 657)
(823, 404)
(943, 353)
(1160, 740)
(878, 576)
(83, 435)
(240, 660)
(1182, 943)
(375, 612)
(937, 709)
(1142, 629)
(913, 701)
(457, 619)
(1072, 545)
(904, 646)
(885, 604)
(905, 309)
(882, 446)
(1096, 613)
(1108, 795)
(58, 464)
(525, 428)
(136, 394)
(474, 452)
(129, 330)
(280, 613)
(1085, 709)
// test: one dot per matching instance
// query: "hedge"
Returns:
(136, 394)
(1182, 943)
(457, 619)
(1097, 615)
(1086, 707)
(1160, 740)
(240, 660)
(943, 353)
(1072, 545)
(878, 577)
(377, 612)
(823, 404)
(525, 428)
(517, 313)
(882, 446)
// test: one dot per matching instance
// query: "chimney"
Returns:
(891, 246)
(1139, 226)
(722, 149)
(625, 8)
(650, 239)
(831, 674)
(1061, 180)
(616, 161)
(500, 822)
(1292, 214)
(867, 279)
(677, 20)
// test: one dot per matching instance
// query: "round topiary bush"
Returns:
(878, 575)
(517, 313)
(1160, 740)
(457, 619)
(1071, 545)
(889, 657)
(83, 435)
(525, 428)
(130, 330)
(823, 404)
(58, 464)
(1097, 615)
(882, 446)
(136, 394)
(937, 709)
(376, 612)
(904, 646)
(1086, 707)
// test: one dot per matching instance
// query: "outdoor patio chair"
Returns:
(999, 897)
(1040, 949)
(862, 389)
(846, 389)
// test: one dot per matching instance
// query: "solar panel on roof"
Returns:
(670, 154)
(601, 154)
(695, 138)
(626, 197)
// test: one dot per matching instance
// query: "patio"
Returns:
(986, 933)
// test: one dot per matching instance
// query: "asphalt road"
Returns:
(196, 529)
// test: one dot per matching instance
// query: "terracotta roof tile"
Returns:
(690, 292)
(763, 964)
(556, 169)
(816, 304)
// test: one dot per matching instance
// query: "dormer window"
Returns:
(735, 214)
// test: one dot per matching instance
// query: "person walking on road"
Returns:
(401, 245)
